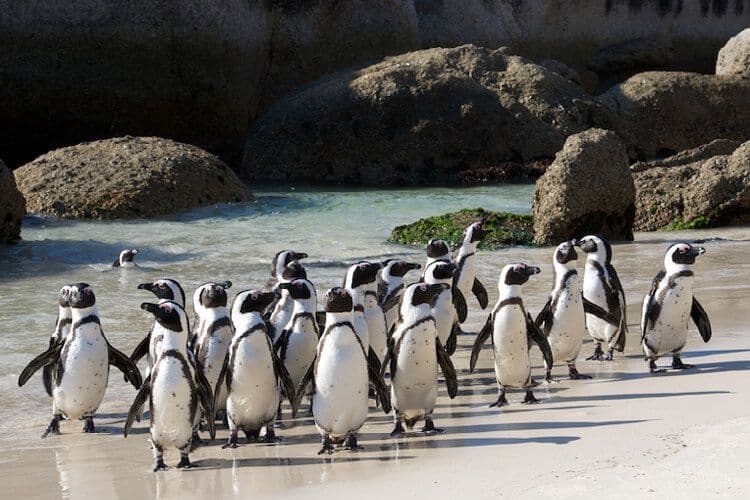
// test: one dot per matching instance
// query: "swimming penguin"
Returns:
(340, 377)
(82, 360)
(668, 305)
(603, 298)
(175, 388)
(443, 308)
(252, 373)
(279, 263)
(414, 354)
(513, 331)
(562, 318)
(213, 336)
(391, 287)
(62, 328)
(465, 278)
(282, 309)
(126, 258)
(298, 344)
(360, 282)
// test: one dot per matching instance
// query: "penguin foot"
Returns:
(351, 444)
(252, 437)
(327, 447)
(529, 399)
(430, 429)
(53, 427)
(610, 355)
(574, 375)
(547, 378)
(677, 364)
(653, 369)
(501, 401)
(398, 430)
(184, 462)
(270, 436)
(598, 354)
(159, 465)
(196, 441)
(88, 425)
(533, 383)
(233, 442)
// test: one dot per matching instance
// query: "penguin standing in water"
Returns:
(360, 282)
(126, 258)
(282, 310)
(603, 299)
(175, 387)
(340, 377)
(465, 278)
(513, 331)
(252, 372)
(669, 305)
(62, 328)
(443, 308)
(391, 288)
(82, 362)
(414, 354)
(562, 319)
(213, 336)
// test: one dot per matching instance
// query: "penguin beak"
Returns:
(150, 307)
(696, 251)
(413, 267)
(531, 270)
(225, 284)
(146, 286)
(287, 285)
(298, 255)
(134, 251)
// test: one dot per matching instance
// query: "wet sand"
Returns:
(625, 433)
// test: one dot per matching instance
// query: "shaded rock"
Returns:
(734, 57)
(690, 190)
(12, 207)
(510, 172)
(640, 53)
(661, 113)
(503, 228)
(126, 177)
(587, 189)
(419, 118)
(586, 79)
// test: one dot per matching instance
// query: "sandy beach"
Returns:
(622, 434)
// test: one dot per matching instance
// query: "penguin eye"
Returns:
(254, 296)
(167, 307)
(298, 285)
(423, 288)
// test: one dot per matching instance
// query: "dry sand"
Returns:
(624, 434)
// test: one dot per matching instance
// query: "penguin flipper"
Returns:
(141, 349)
(125, 365)
(700, 318)
(116, 263)
(47, 372)
(477, 288)
(282, 375)
(459, 302)
(446, 366)
(591, 308)
(320, 319)
(308, 378)
(544, 319)
(387, 358)
(482, 337)
(376, 379)
(536, 336)
(207, 399)
(48, 357)
(138, 402)
(372, 358)
(390, 301)
(452, 340)
(617, 285)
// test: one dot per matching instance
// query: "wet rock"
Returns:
(587, 189)
(508, 172)
(661, 113)
(12, 207)
(705, 187)
(734, 57)
(126, 177)
(419, 118)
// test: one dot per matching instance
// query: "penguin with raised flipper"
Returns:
(62, 328)
(175, 388)
(391, 287)
(465, 279)
(562, 319)
(414, 354)
(82, 362)
(340, 377)
(669, 306)
(252, 374)
(126, 258)
(281, 312)
(360, 281)
(603, 299)
(443, 308)
(513, 332)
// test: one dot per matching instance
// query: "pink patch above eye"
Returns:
(167, 307)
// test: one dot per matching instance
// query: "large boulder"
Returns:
(734, 57)
(587, 189)
(419, 118)
(126, 177)
(12, 207)
(706, 186)
(661, 113)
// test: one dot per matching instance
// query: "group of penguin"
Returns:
(239, 361)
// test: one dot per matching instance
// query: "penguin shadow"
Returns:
(464, 442)
(346, 457)
(625, 397)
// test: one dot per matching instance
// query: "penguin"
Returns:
(297, 346)
(562, 318)
(437, 250)
(391, 287)
(175, 387)
(443, 309)
(62, 328)
(166, 289)
(282, 310)
(669, 303)
(213, 335)
(126, 258)
(360, 282)
(199, 309)
(340, 376)
(82, 362)
(465, 278)
(603, 298)
(279, 263)
(513, 331)
(252, 372)
(414, 353)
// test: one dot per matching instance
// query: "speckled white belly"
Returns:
(171, 425)
(568, 328)
(414, 387)
(81, 389)
(254, 399)
(511, 346)
(670, 330)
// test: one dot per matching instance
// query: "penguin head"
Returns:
(566, 252)
(475, 232)
(682, 254)
(422, 293)
(517, 273)
(596, 247)
(361, 273)
(299, 289)
(440, 270)
(63, 297)
(437, 249)
(168, 314)
(397, 268)
(81, 296)
(165, 289)
(337, 300)
(214, 294)
(253, 301)
(126, 258)
(293, 271)
(282, 259)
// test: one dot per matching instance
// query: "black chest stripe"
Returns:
(84, 321)
(217, 325)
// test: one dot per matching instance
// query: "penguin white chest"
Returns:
(414, 386)
(568, 326)
(172, 402)
(212, 349)
(467, 274)
(511, 347)
(593, 290)
(376, 328)
(360, 326)
(300, 350)
(86, 361)
(444, 314)
(670, 329)
(254, 399)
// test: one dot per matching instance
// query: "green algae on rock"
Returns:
(503, 228)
